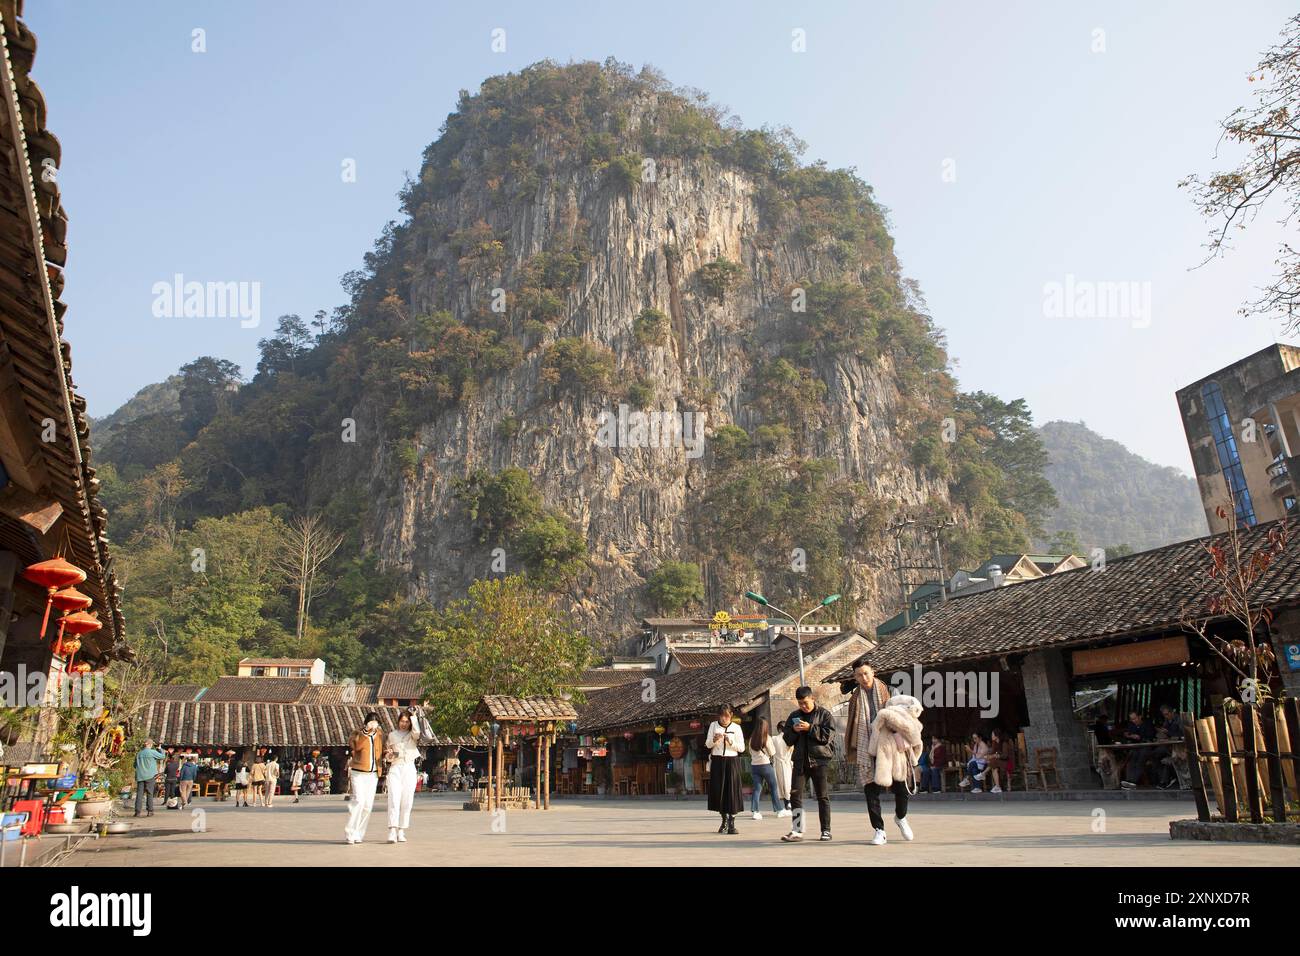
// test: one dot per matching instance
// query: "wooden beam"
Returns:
(35, 511)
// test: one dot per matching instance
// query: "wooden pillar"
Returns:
(491, 780)
(501, 754)
(8, 569)
(546, 795)
(537, 778)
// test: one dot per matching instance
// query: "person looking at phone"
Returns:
(810, 732)
(726, 742)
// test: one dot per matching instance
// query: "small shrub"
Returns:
(718, 277)
(650, 327)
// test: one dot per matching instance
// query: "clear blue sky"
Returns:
(225, 165)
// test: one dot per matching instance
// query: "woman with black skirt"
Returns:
(726, 742)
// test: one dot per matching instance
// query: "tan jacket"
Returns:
(367, 752)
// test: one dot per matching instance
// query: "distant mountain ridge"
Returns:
(160, 397)
(1109, 496)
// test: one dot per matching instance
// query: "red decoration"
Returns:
(696, 725)
(80, 622)
(628, 735)
(53, 575)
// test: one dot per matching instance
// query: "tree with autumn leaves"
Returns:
(1238, 559)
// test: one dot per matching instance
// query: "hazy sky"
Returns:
(1010, 153)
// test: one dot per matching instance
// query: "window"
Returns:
(1226, 446)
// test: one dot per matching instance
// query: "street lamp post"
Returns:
(798, 622)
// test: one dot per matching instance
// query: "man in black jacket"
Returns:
(810, 731)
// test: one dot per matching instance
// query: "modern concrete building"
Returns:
(1243, 431)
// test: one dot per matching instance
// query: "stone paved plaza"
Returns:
(632, 832)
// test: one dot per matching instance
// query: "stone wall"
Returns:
(1051, 718)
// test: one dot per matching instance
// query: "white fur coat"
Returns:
(896, 740)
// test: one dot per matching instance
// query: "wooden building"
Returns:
(48, 488)
(1115, 635)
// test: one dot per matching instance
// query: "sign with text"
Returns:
(1131, 657)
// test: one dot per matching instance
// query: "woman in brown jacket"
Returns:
(364, 766)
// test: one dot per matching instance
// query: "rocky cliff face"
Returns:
(643, 244)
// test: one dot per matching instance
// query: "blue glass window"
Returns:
(1225, 444)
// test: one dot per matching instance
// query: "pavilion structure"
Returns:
(507, 720)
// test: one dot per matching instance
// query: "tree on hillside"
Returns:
(1269, 170)
(506, 637)
(283, 350)
(675, 585)
(306, 543)
(206, 384)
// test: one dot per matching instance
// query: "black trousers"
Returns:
(873, 792)
(798, 783)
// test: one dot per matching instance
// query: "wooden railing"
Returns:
(1248, 783)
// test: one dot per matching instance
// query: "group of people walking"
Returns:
(373, 755)
(882, 741)
(262, 781)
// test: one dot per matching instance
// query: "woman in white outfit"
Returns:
(402, 749)
(783, 764)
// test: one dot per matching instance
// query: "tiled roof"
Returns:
(278, 661)
(526, 708)
(401, 685)
(268, 690)
(689, 660)
(736, 681)
(25, 751)
(272, 725)
(1140, 593)
(610, 677)
(360, 694)
(172, 691)
(35, 362)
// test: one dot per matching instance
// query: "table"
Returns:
(1109, 759)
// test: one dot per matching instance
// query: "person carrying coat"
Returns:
(889, 760)
(810, 732)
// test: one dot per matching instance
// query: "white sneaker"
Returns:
(879, 838)
(392, 836)
(965, 782)
(352, 840)
(793, 836)
(401, 836)
(904, 827)
(783, 813)
(757, 815)
(996, 790)
(977, 790)
(980, 775)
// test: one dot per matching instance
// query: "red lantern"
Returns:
(80, 622)
(53, 575)
(696, 725)
(628, 735)
(82, 668)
